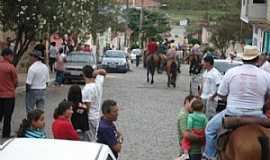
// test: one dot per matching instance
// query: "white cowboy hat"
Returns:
(196, 46)
(250, 52)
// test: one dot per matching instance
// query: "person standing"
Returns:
(92, 96)
(8, 81)
(53, 51)
(36, 83)
(107, 131)
(60, 67)
(211, 80)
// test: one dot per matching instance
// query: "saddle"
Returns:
(229, 124)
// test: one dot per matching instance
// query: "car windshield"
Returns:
(114, 54)
(80, 58)
(222, 67)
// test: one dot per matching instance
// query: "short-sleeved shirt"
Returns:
(196, 120)
(107, 134)
(246, 87)
(53, 51)
(38, 75)
(8, 79)
(211, 79)
(92, 93)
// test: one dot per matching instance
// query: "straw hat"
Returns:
(250, 52)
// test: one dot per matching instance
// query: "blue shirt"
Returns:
(107, 134)
(34, 133)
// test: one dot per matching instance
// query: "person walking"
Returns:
(92, 96)
(60, 67)
(107, 131)
(8, 81)
(36, 83)
(211, 80)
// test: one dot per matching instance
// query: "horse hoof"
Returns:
(147, 80)
(152, 82)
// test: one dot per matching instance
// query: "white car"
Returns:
(52, 149)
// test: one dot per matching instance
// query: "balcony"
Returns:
(252, 10)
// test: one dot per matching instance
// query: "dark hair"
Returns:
(197, 105)
(62, 107)
(75, 95)
(209, 59)
(61, 50)
(252, 61)
(188, 98)
(27, 122)
(53, 43)
(88, 71)
(7, 51)
(107, 106)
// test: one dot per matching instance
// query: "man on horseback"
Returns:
(245, 88)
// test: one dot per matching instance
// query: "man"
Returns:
(53, 51)
(92, 96)
(211, 80)
(152, 47)
(36, 82)
(8, 81)
(245, 87)
(107, 131)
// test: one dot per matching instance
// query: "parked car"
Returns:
(52, 149)
(115, 61)
(75, 62)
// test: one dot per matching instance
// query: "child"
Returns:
(32, 126)
(79, 117)
(196, 124)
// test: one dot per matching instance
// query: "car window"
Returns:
(80, 58)
(222, 67)
(114, 54)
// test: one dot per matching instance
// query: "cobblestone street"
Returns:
(147, 116)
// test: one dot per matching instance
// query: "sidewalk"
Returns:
(22, 80)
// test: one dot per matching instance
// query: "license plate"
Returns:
(75, 73)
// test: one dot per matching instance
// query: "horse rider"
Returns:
(246, 88)
(171, 53)
(152, 48)
(163, 48)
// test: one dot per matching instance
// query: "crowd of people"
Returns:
(78, 117)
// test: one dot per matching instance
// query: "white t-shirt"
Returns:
(266, 66)
(245, 87)
(38, 75)
(92, 93)
(211, 79)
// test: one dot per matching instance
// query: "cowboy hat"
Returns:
(250, 52)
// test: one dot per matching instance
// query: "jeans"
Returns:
(137, 61)
(59, 79)
(6, 111)
(213, 127)
(195, 157)
(35, 97)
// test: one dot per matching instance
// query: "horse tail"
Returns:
(173, 68)
(264, 142)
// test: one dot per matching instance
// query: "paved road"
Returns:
(147, 112)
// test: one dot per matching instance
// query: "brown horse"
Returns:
(152, 62)
(171, 69)
(248, 142)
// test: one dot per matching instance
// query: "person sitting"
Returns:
(62, 127)
(171, 53)
(196, 124)
(152, 47)
(32, 126)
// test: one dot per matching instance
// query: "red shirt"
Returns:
(63, 129)
(8, 79)
(152, 48)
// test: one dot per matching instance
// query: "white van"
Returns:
(52, 149)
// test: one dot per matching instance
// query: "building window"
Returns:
(259, 1)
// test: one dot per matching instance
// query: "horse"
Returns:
(171, 69)
(152, 62)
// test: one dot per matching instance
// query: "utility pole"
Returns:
(141, 26)
(125, 40)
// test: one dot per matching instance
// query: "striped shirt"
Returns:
(34, 133)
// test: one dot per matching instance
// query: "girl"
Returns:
(62, 127)
(79, 117)
(32, 126)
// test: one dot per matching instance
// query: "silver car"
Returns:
(75, 62)
(115, 61)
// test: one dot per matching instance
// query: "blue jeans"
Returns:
(213, 127)
(35, 97)
(59, 79)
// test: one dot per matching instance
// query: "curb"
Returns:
(21, 89)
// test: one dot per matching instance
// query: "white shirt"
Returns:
(211, 79)
(266, 66)
(38, 75)
(245, 87)
(92, 93)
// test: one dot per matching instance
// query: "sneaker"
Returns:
(184, 157)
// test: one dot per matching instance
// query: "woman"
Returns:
(62, 127)
(79, 117)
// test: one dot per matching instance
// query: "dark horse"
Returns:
(152, 62)
(171, 69)
(250, 142)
